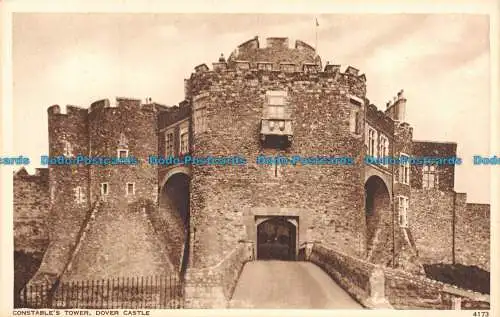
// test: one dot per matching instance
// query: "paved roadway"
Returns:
(286, 284)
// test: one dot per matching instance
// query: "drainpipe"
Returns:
(453, 220)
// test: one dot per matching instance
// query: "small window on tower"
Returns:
(122, 153)
(68, 149)
(79, 195)
(276, 98)
(200, 122)
(130, 189)
(104, 189)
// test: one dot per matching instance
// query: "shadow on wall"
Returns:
(25, 266)
(468, 277)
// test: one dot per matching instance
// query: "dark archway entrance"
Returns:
(174, 218)
(276, 239)
(378, 220)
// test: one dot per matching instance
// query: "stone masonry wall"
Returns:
(473, 236)
(213, 287)
(31, 209)
(377, 287)
(462, 229)
(332, 195)
(67, 136)
(446, 173)
(350, 273)
(120, 242)
(408, 291)
(430, 217)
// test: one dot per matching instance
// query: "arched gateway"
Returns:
(173, 217)
(378, 215)
(277, 239)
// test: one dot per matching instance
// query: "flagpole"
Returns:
(316, 44)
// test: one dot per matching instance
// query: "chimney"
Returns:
(400, 107)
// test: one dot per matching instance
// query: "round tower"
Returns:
(125, 130)
(267, 93)
(68, 186)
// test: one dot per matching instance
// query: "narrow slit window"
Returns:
(130, 189)
(104, 189)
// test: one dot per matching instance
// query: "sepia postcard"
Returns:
(280, 158)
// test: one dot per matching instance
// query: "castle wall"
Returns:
(473, 236)
(446, 229)
(31, 208)
(331, 195)
(119, 242)
(430, 219)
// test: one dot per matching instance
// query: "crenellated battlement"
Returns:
(276, 51)
(281, 67)
(276, 60)
(174, 114)
(97, 106)
(68, 110)
(40, 174)
(252, 74)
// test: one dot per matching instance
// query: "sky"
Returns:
(442, 62)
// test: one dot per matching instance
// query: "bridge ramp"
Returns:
(288, 285)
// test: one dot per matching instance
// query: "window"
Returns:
(276, 112)
(68, 150)
(79, 195)
(275, 98)
(404, 169)
(353, 120)
(200, 124)
(169, 143)
(275, 105)
(430, 177)
(123, 142)
(358, 122)
(52, 193)
(104, 189)
(372, 142)
(383, 146)
(184, 140)
(122, 153)
(403, 211)
(130, 190)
